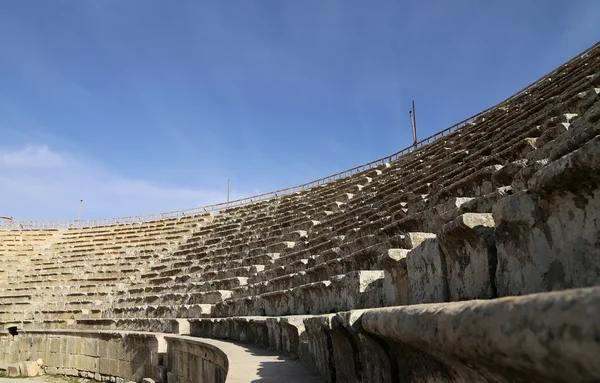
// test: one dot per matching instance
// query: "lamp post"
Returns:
(79, 214)
(228, 187)
(413, 122)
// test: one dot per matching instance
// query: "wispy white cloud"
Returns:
(33, 156)
(37, 182)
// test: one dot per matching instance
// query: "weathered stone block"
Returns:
(395, 282)
(505, 340)
(414, 239)
(505, 175)
(30, 369)
(371, 362)
(319, 345)
(426, 269)
(14, 370)
(468, 247)
(547, 237)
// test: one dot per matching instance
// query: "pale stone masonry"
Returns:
(473, 258)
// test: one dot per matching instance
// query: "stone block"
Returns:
(547, 237)
(511, 339)
(319, 345)
(468, 247)
(371, 362)
(505, 175)
(414, 239)
(30, 369)
(68, 371)
(426, 267)
(395, 281)
(484, 204)
(293, 336)
(520, 179)
(14, 370)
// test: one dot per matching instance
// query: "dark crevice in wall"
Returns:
(492, 265)
(394, 371)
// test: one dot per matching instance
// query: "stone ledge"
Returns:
(540, 337)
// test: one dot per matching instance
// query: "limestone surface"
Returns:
(427, 275)
(470, 254)
(547, 236)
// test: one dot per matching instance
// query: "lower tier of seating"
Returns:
(543, 337)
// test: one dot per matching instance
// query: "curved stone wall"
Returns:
(99, 355)
(191, 360)
(537, 338)
(117, 356)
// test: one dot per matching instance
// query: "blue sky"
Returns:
(148, 106)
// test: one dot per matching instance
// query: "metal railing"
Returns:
(68, 224)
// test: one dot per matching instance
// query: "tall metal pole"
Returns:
(412, 125)
(228, 187)
(79, 214)
(413, 122)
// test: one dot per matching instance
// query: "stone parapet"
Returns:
(192, 360)
(99, 355)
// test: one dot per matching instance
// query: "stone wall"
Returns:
(107, 355)
(191, 360)
(534, 338)
(117, 356)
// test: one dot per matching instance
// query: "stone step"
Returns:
(358, 289)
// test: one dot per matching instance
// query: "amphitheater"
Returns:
(473, 256)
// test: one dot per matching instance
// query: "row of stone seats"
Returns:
(332, 290)
(226, 281)
(485, 218)
(63, 280)
(500, 340)
(466, 341)
(488, 190)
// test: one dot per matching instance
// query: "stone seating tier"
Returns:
(476, 340)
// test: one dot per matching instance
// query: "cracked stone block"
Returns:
(538, 247)
(468, 246)
(427, 273)
(395, 282)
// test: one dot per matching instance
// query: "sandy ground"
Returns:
(39, 379)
